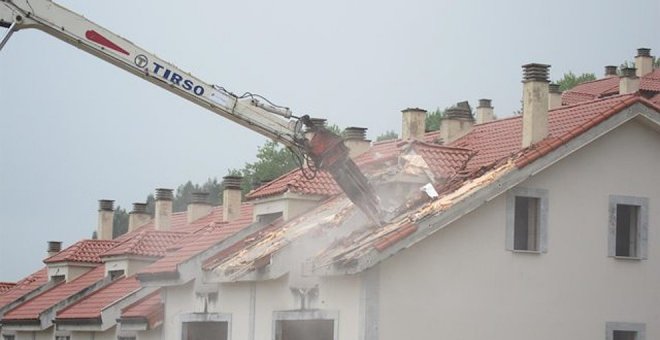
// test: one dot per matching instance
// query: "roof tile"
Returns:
(90, 307)
(86, 251)
(24, 286)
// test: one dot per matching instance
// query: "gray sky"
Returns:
(74, 129)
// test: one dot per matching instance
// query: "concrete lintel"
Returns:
(434, 223)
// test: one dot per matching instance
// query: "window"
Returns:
(205, 330)
(628, 227)
(115, 274)
(527, 220)
(625, 331)
(62, 337)
(305, 324)
(8, 337)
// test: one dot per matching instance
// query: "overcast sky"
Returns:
(74, 129)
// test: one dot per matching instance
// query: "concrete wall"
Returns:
(462, 283)
(179, 300)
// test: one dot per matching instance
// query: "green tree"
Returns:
(387, 135)
(119, 222)
(273, 160)
(570, 80)
(434, 119)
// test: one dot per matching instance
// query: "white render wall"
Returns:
(462, 283)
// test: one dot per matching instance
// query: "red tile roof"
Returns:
(150, 243)
(86, 251)
(150, 308)
(606, 87)
(501, 138)
(90, 307)
(32, 309)
(295, 181)
(197, 242)
(5, 286)
(24, 286)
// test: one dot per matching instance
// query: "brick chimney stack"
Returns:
(643, 62)
(231, 198)
(355, 139)
(199, 206)
(163, 218)
(535, 103)
(106, 217)
(629, 81)
(610, 71)
(485, 112)
(138, 216)
(554, 96)
(413, 124)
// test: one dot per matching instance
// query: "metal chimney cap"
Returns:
(643, 52)
(628, 72)
(139, 208)
(232, 182)
(610, 70)
(413, 109)
(353, 132)
(485, 103)
(163, 194)
(554, 88)
(535, 72)
(106, 205)
(200, 197)
(54, 246)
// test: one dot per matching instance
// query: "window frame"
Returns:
(542, 235)
(302, 315)
(642, 226)
(639, 328)
(205, 317)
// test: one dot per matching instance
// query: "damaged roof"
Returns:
(649, 85)
(487, 153)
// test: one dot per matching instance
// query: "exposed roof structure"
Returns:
(488, 153)
(5, 286)
(85, 251)
(197, 242)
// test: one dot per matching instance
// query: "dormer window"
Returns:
(113, 274)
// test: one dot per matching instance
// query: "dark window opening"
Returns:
(8, 337)
(267, 218)
(305, 329)
(624, 335)
(205, 330)
(115, 274)
(526, 223)
(57, 278)
(627, 227)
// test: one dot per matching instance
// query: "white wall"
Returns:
(461, 283)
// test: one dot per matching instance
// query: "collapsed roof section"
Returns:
(333, 239)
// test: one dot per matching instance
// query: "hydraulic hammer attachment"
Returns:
(329, 153)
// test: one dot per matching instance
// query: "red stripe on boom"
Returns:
(101, 40)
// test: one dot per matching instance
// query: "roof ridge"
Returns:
(595, 100)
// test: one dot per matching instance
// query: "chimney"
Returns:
(485, 111)
(414, 123)
(106, 217)
(457, 121)
(355, 139)
(163, 218)
(628, 82)
(138, 216)
(610, 71)
(231, 198)
(54, 247)
(554, 96)
(535, 103)
(318, 122)
(643, 62)
(199, 206)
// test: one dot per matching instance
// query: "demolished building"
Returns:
(538, 225)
